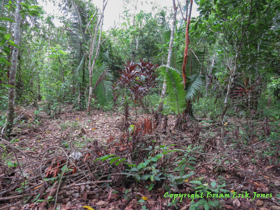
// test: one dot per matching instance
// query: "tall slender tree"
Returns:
(169, 55)
(13, 71)
(91, 62)
(186, 52)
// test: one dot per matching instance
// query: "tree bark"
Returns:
(13, 71)
(168, 57)
(91, 65)
(209, 72)
(186, 52)
(186, 55)
(223, 115)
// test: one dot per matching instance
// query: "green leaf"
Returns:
(120, 161)
(24, 5)
(175, 88)
(155, 159)
(159, 155)
(64, 168)
(157, 178)
(196, 182)
(213, 184)
(145, 177)
(5, 61)
(12, 44)
(7, 19)
(114, 159)
(104, 157)
(7, 50)
(40, 200)
(193, 86)
(174, 150)
(206, 206)
(211, 203)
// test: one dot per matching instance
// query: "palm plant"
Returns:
(177, 96)
(102, 79)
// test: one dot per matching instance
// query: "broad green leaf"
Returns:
(159, 155)
(5, 61)
(120, 161)
(64, 168)
(7, 36)
(196, 182)
(155, 159)
(157, 178)
(114, 159)
(12, 44)
(7, 19)
(145, 177)
(213, 184)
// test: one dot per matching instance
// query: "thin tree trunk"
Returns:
(186, 52)
(209, 72)
(231, 80)
(13, 71)
(2, 8)
(91, 66)
(169, 56)
(186, 55)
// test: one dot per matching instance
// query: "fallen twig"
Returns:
(14, 197)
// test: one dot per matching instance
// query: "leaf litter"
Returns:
(37, 176)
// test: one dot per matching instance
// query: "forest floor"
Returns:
(33, 172)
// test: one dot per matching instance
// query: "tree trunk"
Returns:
(231, 80)
(209, 72)
(13, 71)
(186, 52)
(169, 56)
(186, 55)
(91, 65)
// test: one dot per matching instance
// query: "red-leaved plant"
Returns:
(135, 82)
(245, 89)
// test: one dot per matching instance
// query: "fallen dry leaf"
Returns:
(236, 202)
(274, 207)
(259, 203)
(101, 203)
(227, 207)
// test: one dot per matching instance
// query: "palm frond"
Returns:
(103, 86)
(80, 65)
(175, 88)
(194, 85)
(104, 92)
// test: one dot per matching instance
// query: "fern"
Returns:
(175, 88)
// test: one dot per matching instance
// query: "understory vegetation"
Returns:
(162, 111)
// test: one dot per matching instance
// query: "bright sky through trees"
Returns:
(115, 9)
